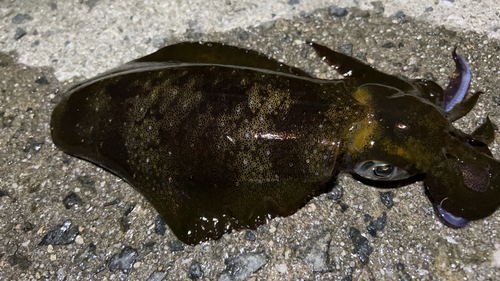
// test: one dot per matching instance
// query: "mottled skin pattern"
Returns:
(216, 144)
(206, 148)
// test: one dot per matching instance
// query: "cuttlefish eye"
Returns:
(377, 170)
(383, 171)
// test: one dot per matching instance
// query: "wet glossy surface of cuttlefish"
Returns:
(220, 138)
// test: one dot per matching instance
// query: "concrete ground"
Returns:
(45, 46)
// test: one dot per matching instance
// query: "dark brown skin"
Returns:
(216, 144)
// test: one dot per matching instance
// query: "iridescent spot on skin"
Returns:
(220, 138)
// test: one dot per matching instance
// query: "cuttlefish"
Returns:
(220, 138)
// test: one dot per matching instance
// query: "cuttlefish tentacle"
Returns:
(459, 82)
(449, 219)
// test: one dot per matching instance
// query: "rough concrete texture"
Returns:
(325, 240)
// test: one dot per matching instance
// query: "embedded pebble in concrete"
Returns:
(160, 226)
(242, 266)
(87, 183)
(249, 235)
(157, 275)
(71, 200)
(123, 260)
(361, 245)
(175, 246)
(377, 225)
(314, 252)
(402, 274)
(28, 226)
(195, 271)
(87, 253)
(60, 234)
(19, 260)
(20, 18)
(335, 11)
(336, 193)
(386, 198)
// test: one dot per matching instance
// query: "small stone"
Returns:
(367, 218)
(88, 253)
(430, 76)
(343, 206)
(293, 2)
(335, 11)
(61, 234)
(195, 271)
(129, 209)
(315, 253)
(160, 226)
(17, 259)
(400, 15)
(361, 245)
(123, 260)
(18, 133)
(377, 225)
(71, 200)
(388, 45)
(272, 229)
(244, 36)
(386, 198)
(50, 249)
(378, 6)
(345, 49)
(282, 268)
(19, 33)
(28, 226)
(336, 193)
(268, 24)
(79, 240)
(42, 81)
(33, 145)
(175, 245)
(124, 224)
(53, 257)
(158, 42)
(361, 14)
(242, 266)
(249, 235)
(20, 18)
(157, 275)
(87, 183)
(428, 10)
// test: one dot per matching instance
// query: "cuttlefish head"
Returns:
(405, 138)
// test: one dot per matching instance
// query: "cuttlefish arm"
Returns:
(459, 83)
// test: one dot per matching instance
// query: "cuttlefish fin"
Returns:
(485, 132)
(352, 68)
(461, 108)
(218, 53)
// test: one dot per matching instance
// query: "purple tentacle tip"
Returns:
(449, 219)
(459, 82)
